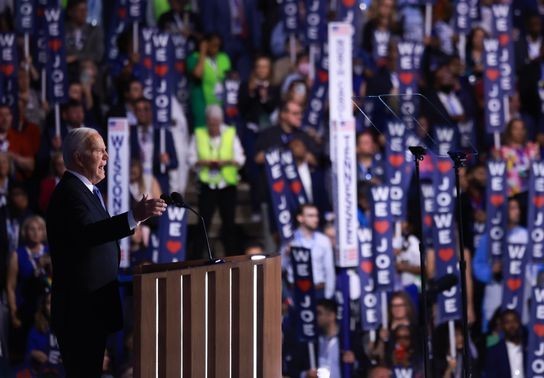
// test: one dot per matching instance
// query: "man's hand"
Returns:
(165, 158)
(56, 142)
(148, 208)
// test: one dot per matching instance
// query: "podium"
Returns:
(197, 320)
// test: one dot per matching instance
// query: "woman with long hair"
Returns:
(29, 273)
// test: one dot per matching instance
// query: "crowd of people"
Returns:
(216, 148)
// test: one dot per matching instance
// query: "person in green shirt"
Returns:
(207, 68)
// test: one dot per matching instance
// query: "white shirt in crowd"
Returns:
(322, 260)
(177, 178)
(410, 254)
(239, 155)
(515, 358)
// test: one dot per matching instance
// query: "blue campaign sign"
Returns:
(304, 294)
(24, 16)
(496, 207)
(535, 219)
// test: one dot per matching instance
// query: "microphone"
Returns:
(176, 199)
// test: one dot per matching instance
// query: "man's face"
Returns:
(292, 115)
(214, 44)
(298, 149)
(6, 119)
(511, 326)
(262, 68)
(514, 212)
(92, 161)
(324, 317)
(365, 145)
(135, 91)
(78, 14)
(309, 218)
(74, 116)
(214, 124)
(142, 110)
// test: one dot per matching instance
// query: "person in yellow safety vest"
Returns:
(217, 154)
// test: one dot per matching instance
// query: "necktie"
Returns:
(98, 195)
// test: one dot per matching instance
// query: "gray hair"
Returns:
(214, 111)
(75, 141)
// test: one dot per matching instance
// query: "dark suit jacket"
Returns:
(497, 364)
(215, 18)
(85, 255)
(170, 149)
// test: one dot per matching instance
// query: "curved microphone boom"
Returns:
(176, 199)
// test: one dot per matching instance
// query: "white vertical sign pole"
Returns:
(118, 176)
(342, 134)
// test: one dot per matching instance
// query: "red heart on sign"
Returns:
(323, 76)
(538, 201)
(381, 226)
(180, 66)
(231, 111)
(366, 266)
(428, 220)
(492, 74)
(444, 166)
(504, 39)
(8, 69)
(278, 186)
(121, 12)
(513, 283)
(406, 78)
(445, 254)
(348, 3)
(173, 246)
(396, 160)
(296, 186)
(539, 329)
(55, 44)
(304, 285)
(496, 199)
(161, 69)
(148, 63)
(40, 11)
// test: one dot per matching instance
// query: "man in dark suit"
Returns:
(507, 358)
(145, 145)
(86, 306)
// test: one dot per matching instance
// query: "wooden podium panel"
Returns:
(198, 320)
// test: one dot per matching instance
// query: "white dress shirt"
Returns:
(515, 358)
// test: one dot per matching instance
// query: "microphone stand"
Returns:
(211, 259)
(459, 159)
(419, 152)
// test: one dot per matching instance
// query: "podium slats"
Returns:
(219, 343)
(197, 320)
(144, 337)
(173, 324)
(270, 313)
(197, 326)
(242, 314)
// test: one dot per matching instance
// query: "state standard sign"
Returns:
(342, 141)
